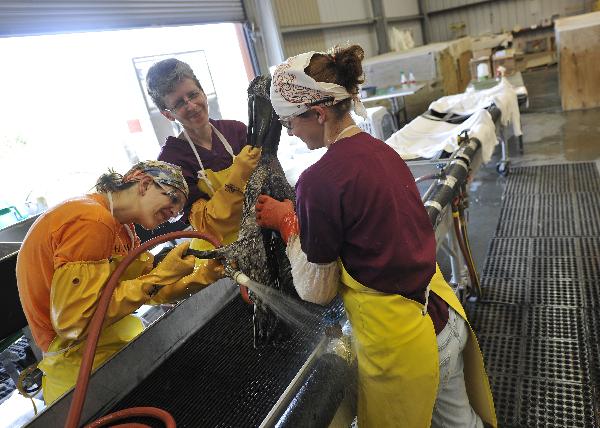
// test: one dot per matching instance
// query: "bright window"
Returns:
(73, 107)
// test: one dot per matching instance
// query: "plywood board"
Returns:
(577, 21)
(448, 69)
(464, 70)
(579, 56)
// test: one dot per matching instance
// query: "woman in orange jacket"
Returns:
(70, 252)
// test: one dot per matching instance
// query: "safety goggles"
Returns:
(176, 200)
(286, 122)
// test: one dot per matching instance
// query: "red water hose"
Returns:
(96, 326)
(154, 412)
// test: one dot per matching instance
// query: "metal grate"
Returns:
(512, 247)
(510, 292)
(539, 317)
(502, 354)
(554, 247)
(555, 322)
(495, 319)
(545, 403)
(588, 205)
(553, 206)
(558, 228)
(232, 383)
(561, 268)
(555, 292)
(591, 294)
(590, 246)
(506, 392)
(522, 180)
(508, 228)
(590, 268)
(507, 267)
(557, 360)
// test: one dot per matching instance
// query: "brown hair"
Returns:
(341, 66)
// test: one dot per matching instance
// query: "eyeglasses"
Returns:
(176, 200)
(182, 102)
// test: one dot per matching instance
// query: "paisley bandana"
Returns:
(293, 92)
(161, 172)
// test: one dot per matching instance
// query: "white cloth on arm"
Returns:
(315, 282)
(293, 91)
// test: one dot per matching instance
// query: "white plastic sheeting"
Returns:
(424, 138)
(503, 95)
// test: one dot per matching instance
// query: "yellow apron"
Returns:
(209, 182)
(62, 361)
(398, 366)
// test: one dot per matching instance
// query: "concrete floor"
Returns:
(550, 136)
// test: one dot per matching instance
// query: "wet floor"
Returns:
(537, 323)
(550, 136)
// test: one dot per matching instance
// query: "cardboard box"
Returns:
(480, 53)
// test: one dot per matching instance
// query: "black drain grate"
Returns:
(556, 322)
(588, 205)
(554, 247)
(511, 247)
(555, 292)
(590, 246)
(552, 206)
(506, 393)
(590, 268)
(546, 403)
(496, 319)
(556, 360)
(538, 321)
(504, 291)
(218, 379)
(507, 267)
(502, 354)
(561, 268)
(591, 294)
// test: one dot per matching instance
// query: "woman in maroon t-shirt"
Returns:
(213, 154)
(359, 220)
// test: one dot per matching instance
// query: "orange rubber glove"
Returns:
(276, 215)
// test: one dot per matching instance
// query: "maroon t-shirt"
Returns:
(178, 152)
(360, 202)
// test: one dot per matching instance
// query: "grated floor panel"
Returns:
(218, 379)
(539, 317)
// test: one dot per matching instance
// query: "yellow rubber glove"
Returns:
(222, 213)
(204, 274)
(170, 270)
(243, 166)
(76, 289)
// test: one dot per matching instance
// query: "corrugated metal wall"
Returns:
(480, 18)
(396, 9)
(302, 13)
(495, 16)
(294, 15)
